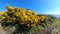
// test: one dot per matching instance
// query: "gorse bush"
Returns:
(13, 16)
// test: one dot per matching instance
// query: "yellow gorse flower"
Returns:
(3, 17)
(42, 18)
(14, 18)
(6, 15)
(1, 13)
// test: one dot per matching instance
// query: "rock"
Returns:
(1, 30)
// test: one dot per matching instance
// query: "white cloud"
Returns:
(53, 12)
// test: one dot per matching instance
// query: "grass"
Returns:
(58, 22)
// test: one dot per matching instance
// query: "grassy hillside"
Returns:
(58, 22)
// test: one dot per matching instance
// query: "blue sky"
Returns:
(40, 6)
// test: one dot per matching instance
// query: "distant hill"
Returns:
(57, 16)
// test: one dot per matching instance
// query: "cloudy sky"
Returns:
(40, 6)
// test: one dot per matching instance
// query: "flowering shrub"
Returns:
(25, 17)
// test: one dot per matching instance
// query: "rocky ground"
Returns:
(51, 30)
(6, 31)
(1, 30)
